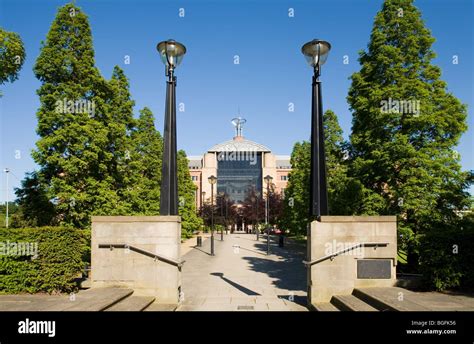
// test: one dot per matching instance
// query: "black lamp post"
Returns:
(268, 179)
(256, 214)
(171, 53)
(251, 211)
(226, 200)
(212, 180)
(221, 206)
(316, 53)
(203, 199)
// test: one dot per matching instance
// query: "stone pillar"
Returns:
(146, 275)
(370, 266)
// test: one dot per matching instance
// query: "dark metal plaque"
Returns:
(374, 268)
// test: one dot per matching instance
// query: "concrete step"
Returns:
(161, 307)
(351, 303)
(94, 300)
(132, 304)
(390, 299)
(325, 307)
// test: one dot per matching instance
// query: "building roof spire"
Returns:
(238, 123)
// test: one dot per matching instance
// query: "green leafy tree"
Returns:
(343, 192)
(12, 56)
(94, 157)
(121, 124)
(73, 146)
(190, 221)
(296, 203)
(143, 169)
(34, 206)
(406, 126)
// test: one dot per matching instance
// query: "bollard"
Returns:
(281, 241)
(199, 241)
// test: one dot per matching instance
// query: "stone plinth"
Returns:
(338, 276)
(148, 276)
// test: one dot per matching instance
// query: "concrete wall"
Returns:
(124, 267)
(339, 276)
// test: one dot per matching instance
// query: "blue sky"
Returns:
(271, 72)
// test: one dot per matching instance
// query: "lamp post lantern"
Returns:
(316, 53)
(171, 53)
(268, 179)
(212, 180)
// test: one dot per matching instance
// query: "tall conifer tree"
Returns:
(406, 124)
(296, 204)
(72, 149)
(143, 169)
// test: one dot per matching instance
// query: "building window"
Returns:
(236, 176)
(194, 178)
(284, 178)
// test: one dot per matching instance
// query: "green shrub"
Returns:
(61, 256)
(447, 256)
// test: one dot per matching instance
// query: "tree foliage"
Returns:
(12, 56)
(73, 149)
(341, 189)
(34, 206)
(142, 168)
(406, 126)
(95, 158)
(190, 221)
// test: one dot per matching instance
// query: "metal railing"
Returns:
(155, 256)
(347, 249)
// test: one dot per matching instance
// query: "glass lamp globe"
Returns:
(171, 53)
(212, 179)
(316, 52)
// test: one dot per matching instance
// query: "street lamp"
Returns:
(212, 180)
(316, 53)
(221, 206)
(268, 179)
(252, 208)
(226, 213)
(6, 170)
(203, 198)
(171, 53)
(257, 195)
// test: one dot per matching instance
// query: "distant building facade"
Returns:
(240, 165)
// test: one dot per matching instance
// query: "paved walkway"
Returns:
(242, 277)
(188, 244)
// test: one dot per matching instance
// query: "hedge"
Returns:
(447, 256)
(61, 254)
